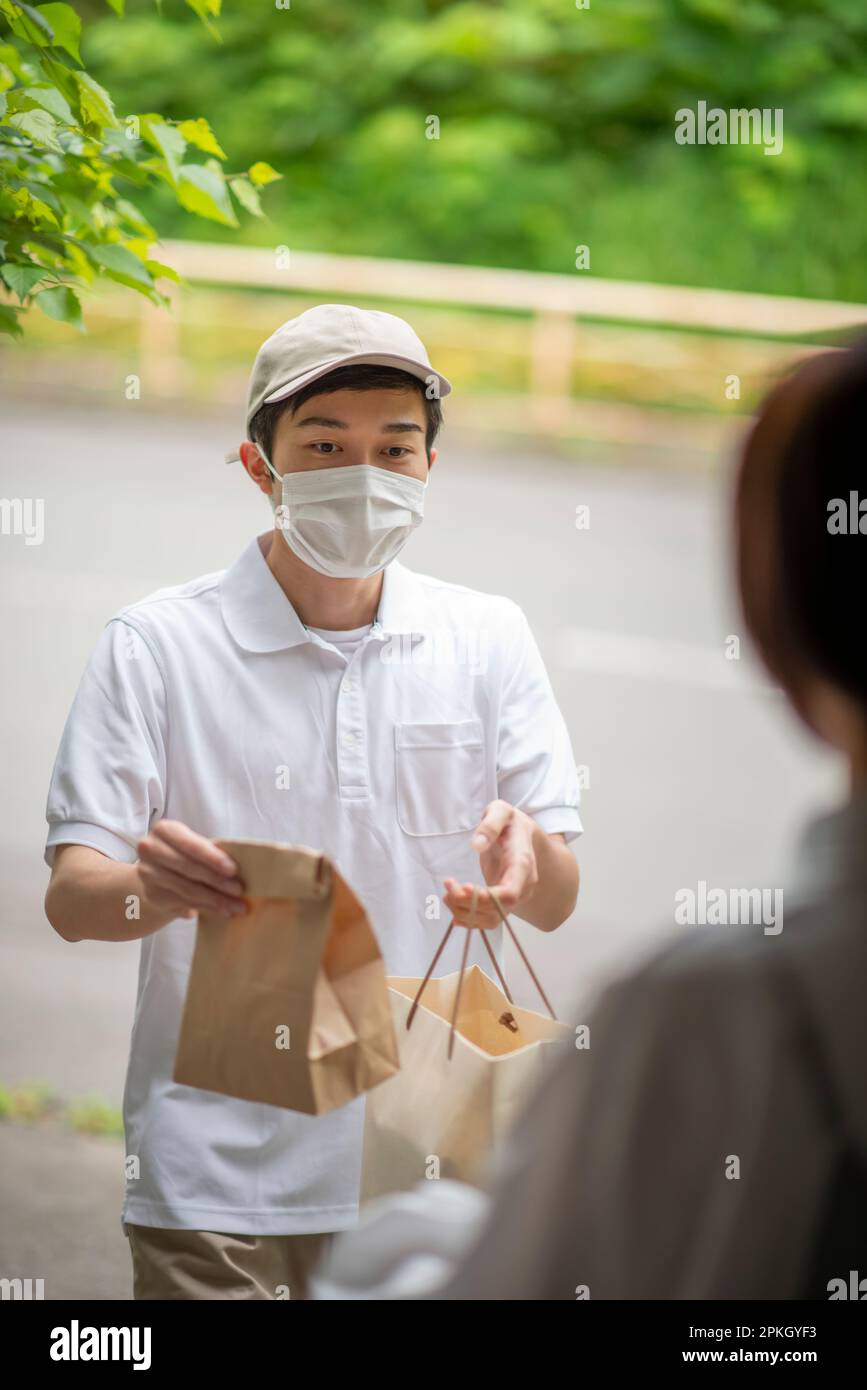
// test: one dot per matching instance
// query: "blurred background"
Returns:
(609, 305)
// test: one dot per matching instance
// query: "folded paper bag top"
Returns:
(287, 1005)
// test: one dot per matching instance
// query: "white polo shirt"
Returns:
(212, 704)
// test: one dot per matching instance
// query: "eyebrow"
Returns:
(325, 422)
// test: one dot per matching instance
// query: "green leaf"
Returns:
(117, 6)
(61, 303)
(60, 76)
(49, 99)
(9, 320)
(76, 263)
(11, 58)
(39, 127)
(66, 27)
(130, 213)
(3, 105)
(199, 133)
(44, 194)
(27, 23)
(205, 8)
(167, 139)
(79, 213)
(247, 196)
(22, 278)
(32, 209)
(202, 189)
(160, 271)
(95, 102)
(262, 173)
(120, 264)
(157, 169)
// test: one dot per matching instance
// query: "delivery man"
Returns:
(316, 692)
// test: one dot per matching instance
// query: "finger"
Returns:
(194, 846)
(497, 816)
(463, 902)
(460, 897)
(460, 905)
(158, 851)
(486, 919)
(197, 895)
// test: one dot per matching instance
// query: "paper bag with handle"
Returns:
(288, 1004)
(468, 1057)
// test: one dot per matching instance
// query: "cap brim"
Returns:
(406, 364)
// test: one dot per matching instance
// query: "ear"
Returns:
(255, 466)
(432, 460)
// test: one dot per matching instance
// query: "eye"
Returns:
(327, 444)
(397, 451)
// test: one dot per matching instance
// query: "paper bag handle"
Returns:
(471, 926)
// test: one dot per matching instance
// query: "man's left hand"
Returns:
(504, 839)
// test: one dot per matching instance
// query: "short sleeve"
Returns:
(535, 765)
(109, 777)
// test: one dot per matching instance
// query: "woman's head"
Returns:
(801, 563)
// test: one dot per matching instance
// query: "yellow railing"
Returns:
(628, 329)
(559, 356)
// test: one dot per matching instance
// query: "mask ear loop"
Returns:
(277, 479)
(268, 464)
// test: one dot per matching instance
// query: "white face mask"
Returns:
(348, 522)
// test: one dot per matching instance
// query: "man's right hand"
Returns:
(183, 873)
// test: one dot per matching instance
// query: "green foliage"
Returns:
(556, 129)
(95, 1115)
(69, 162)
(28, 1102)
(33, 1101)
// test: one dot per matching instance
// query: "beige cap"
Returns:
(329, 336)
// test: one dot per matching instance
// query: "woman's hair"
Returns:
(801, 561)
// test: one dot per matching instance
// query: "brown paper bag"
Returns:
(467, 1063)
(303, 959)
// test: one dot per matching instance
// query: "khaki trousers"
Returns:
(172, 1264)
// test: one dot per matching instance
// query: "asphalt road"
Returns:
(695, 769)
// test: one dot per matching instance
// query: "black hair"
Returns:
(355, 376)
(800, 574)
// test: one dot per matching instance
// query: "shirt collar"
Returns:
(401, 606)
(261, 618)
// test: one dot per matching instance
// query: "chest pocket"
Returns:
(440, 771)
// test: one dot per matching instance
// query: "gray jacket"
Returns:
(620, 1181)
